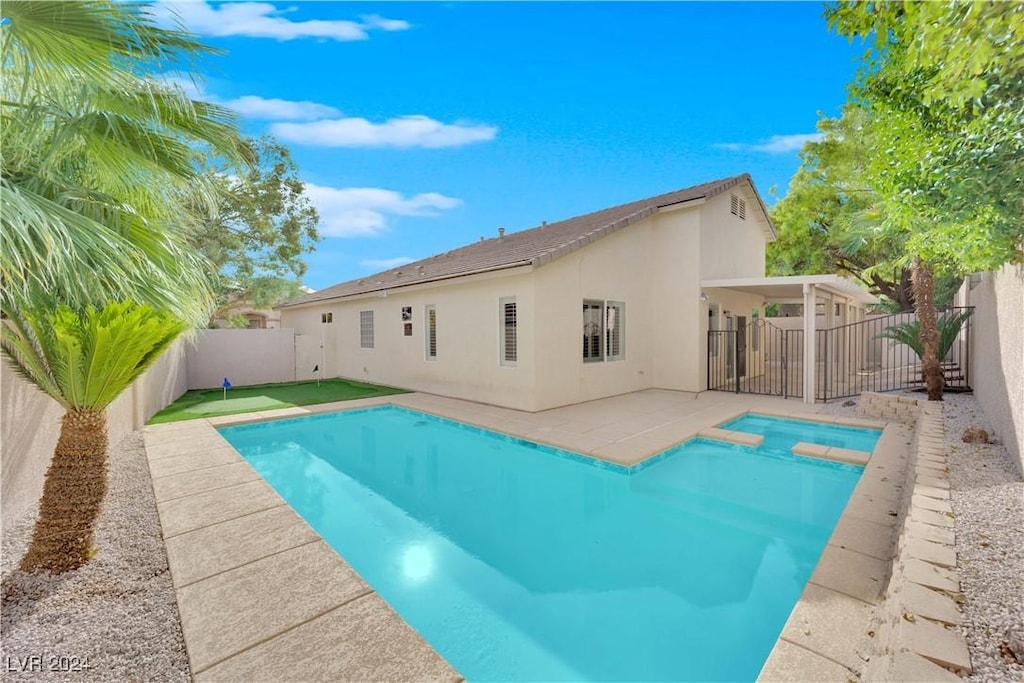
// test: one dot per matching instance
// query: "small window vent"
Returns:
(738, 207)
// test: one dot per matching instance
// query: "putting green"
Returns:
(211, 402)
(243, 404)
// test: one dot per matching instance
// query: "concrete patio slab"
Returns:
(791, 662)
(864, 536)
(194, 461)
(830, 624)
(207, 479)
(910, 667)
(181, 515)
(366, 640)
(936, 643)
(237, 609)
(198, 554)
(859, 576)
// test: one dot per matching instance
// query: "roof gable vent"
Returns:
(738, 207)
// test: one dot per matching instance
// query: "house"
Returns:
(606, 303)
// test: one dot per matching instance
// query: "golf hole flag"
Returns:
(226, 385)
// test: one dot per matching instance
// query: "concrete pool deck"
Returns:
(261, 596)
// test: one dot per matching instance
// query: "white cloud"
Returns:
(385, 263)
(776, 144)
(364, 211)
(403, 131)
(264, 20)
(257, 107)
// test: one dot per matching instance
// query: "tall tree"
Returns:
(941, 83)
(100, 159)
(262, 226)
(822, 219)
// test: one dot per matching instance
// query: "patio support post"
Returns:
(810, 343)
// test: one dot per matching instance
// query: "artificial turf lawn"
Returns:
(211, 402)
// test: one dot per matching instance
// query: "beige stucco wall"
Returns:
(654, 267)
(997, 353)
(468, 363)
(244, 356)
(30, 423)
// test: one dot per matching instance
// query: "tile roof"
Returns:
(535, 247)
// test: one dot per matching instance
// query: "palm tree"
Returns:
(99, 172)
(84, 361)
(100, 158)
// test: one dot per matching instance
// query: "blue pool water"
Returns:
(521, 562)
(780, 434)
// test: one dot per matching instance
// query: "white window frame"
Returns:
(430, 318)
(503, 332)
(604, 332)
(366, 335)
(614, 314)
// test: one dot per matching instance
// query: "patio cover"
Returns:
(791, 287)
(807, 289)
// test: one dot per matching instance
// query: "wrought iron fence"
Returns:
(768, 359)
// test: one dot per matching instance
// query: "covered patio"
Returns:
(774, 356)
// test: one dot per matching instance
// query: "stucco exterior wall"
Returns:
(997, 353)
(30, 423)
(244, 356)
(468, 363)
(615, 268)
(731, 247)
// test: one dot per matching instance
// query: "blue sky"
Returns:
(420, 127)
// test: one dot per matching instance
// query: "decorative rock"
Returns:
(975, 435)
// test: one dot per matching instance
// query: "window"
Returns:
(327, 317)
(603, 331)
(738, 207)
(592, 324)
(509, 322)
(614, 321)
(431, 319)
(366, 329)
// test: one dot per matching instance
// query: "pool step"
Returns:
(728, 435)
(847, 455)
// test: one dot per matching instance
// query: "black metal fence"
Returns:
(768, 359)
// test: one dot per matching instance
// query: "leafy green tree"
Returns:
(83, 361)
(99, 159)
(821, 220)
(941, 82)
(262, 226)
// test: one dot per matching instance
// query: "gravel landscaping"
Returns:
(988, 502)
(117, 615)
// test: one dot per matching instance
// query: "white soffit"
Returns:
(792, 287)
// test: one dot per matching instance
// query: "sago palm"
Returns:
(909, 333)
(100, 158)
(84, 360)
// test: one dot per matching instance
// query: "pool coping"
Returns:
(203, 507)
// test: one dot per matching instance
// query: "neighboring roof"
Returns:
(792, 286)
(533, 247)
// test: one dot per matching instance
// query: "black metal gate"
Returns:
(765, 361)
(870, 355)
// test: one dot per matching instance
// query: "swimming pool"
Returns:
(781, 433)
(521, 562)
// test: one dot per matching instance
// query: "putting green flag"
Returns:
(226, 385)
